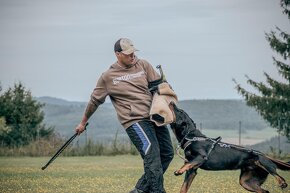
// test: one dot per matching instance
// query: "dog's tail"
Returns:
(280, 164)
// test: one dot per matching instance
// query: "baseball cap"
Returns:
(125, 46)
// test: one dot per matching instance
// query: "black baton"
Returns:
(62, 148)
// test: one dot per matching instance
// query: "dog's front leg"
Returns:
(193, 164)
(189, 176)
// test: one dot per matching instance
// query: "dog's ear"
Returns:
(183, 126)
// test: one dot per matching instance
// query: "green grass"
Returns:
(113, 174)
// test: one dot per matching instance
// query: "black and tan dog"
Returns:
(211, 154)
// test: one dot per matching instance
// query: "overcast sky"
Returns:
(59, 48)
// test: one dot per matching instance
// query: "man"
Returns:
(126, 83)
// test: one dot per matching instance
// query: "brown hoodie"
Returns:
(128, 90)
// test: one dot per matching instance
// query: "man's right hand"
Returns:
(80, 128)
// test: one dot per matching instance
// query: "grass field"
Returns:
(116, 174)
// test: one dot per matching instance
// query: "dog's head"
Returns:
(183, 123)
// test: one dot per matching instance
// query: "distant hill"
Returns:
(57, 101)
(273, 142)
(223, 114)
(212, 114)
(65, 116)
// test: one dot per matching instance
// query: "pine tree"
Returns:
(23, 117)
(273, 100)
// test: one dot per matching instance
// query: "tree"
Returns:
(273, 100)
(4, 130)
(23, 117)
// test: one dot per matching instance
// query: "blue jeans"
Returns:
(155, 147)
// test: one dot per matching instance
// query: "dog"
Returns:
(211, 154)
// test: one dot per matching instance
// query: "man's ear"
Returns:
(117, 54)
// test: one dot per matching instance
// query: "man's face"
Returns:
(125, 59)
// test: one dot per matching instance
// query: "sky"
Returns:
(59, 48)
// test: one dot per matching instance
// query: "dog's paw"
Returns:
(178, 173)
(283, 185)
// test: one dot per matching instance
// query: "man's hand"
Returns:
(80, 128)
